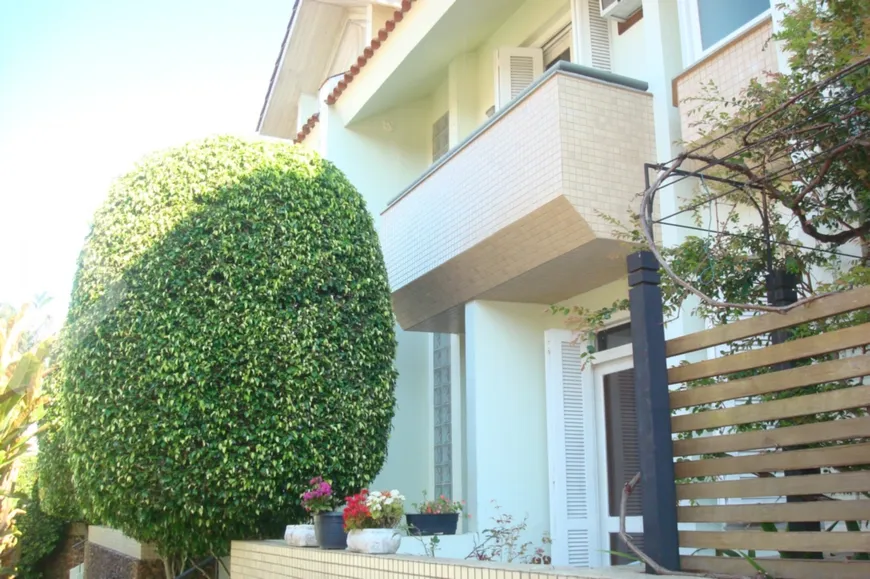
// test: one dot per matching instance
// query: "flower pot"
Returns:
(329, 530)
(423, 524)
(300, 536)
(374, 541)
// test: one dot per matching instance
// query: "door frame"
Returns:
(620, 359)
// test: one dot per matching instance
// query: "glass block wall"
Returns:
(443, 435)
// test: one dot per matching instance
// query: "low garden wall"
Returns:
(276, 560)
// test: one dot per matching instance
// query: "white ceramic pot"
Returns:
(300, 536)
(374, 541)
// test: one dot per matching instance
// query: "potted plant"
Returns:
(320, 502)
(437, 517)
(370, 518)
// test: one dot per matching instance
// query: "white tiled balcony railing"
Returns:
(515, 212)
(750, 55)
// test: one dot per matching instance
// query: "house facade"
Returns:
(492, 139)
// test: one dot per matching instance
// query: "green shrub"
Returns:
(40, 535)
(230, 336)
(57, 495)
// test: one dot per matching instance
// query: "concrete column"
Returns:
(376, 17)
(462, 97)
(779, 8)
(308, 105)
(506, 415)
(665, 62)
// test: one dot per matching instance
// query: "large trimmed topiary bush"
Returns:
(230, 335)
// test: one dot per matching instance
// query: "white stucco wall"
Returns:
(505, 405)
(506, 410)
(380, 156)
(627, 50)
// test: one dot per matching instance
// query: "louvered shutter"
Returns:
(574, 513)
(623, 451)
(517, 68)
(599, 37)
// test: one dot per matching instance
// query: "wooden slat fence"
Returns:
(806, 404)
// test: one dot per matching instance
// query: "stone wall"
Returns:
(104, 563)
(69, 553)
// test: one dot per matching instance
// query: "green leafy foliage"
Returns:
(230, 336)
(40, 535)
(57, 494)
(23, 359)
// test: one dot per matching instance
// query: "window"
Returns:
(442, 414)
(718, 19)
(613, 337)
(441, 137)
(706, 24)
(558, 48)
(565, 55)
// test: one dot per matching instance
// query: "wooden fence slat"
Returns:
(822, 308)
(843, 339)
(826, 542)
(830, 371)
(846, 455)
(841, 482)
(776, 437)
(845, 510)
(852, 397)
(791, 568)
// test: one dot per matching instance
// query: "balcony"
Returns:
(748, 56)
(514, 213)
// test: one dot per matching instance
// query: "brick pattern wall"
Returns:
(275, 560)
(730, 68)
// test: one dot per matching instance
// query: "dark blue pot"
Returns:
(444, 524)
(329, 530)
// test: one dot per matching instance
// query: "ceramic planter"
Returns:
(374, 541)
(443, 524)
(329, 530)
(300, 536)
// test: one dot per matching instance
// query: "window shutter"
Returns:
(516, 68)
(573, 509)
(599, 36)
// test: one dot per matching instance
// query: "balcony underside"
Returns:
(547, 256)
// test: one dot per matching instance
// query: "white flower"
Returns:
(394, 492)
(375, 494)
(389, 501)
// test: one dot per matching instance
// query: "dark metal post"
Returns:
(659, 499)
(782, 291)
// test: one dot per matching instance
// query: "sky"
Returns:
(87, 87)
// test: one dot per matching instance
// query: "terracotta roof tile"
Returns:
(369, 51)
(306, 128)
(361, 61)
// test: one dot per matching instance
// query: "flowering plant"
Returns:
(318, 497)
(373, 510)
(440, 506)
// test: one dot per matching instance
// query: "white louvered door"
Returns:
(575, 519)
(516, 69)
